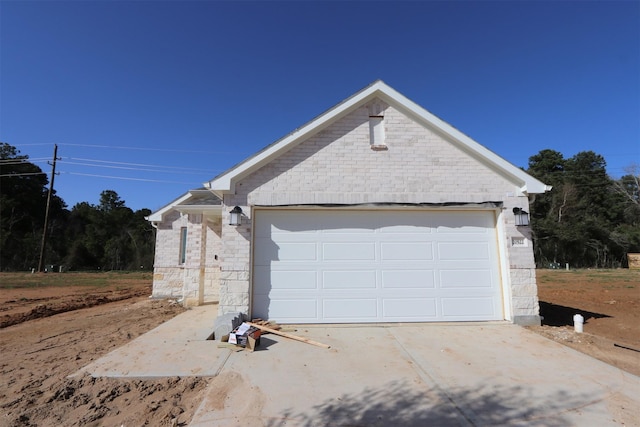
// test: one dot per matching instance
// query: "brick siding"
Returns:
(338, 166)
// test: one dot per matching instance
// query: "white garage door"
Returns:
(336, 266)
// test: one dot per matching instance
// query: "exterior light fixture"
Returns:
(235, 216)
(522, 217)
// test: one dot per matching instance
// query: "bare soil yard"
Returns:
(609, 301)
(53, 325)
(42, 348)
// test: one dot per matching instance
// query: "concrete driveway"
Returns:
(403, 375)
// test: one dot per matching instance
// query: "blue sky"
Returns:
(164, 95)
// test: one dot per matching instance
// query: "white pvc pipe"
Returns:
(578, 322)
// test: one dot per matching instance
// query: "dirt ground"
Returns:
(609, 301)
(40, 352)
(48, 333)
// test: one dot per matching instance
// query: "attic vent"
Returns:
(376, 110)
(376, 127)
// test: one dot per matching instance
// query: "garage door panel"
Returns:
(349, 229)
(465, 229)
(463, 251)
(405, 229)
(465, 279)
(340, 279)
(406, 251)
(296, 252)
(480, 308)
(284, 251)
(346, 222)
(303, 279)
(471, 221)
(408, 279)
(288, 309)
(403, 308)
(335, 266)
(284, 223)
(349, 251)
(351, 309)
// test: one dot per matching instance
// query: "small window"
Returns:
(183, 245)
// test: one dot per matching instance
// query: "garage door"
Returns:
(337, 266)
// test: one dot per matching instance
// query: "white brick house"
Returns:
(375, 211)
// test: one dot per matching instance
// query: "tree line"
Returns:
(588, 219)
(106, 236)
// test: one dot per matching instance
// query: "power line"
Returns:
(23, 174)
(172, 150)
(129, 168)
(137, 164)
(127, 179)
(22, 161)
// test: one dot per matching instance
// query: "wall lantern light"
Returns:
(235, 216)
(522, 216)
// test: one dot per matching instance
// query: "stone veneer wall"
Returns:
(197, 280)
(338, 166)
(168, 275)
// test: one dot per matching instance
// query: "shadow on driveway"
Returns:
(400, 405)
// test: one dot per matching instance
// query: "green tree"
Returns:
(583, 221)
(110, 236)
(546, 212)
(23, 194)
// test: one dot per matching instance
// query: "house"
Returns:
(375, 211)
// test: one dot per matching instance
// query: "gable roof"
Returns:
(225, 182)
(199, 200)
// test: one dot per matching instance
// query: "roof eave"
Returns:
(176, 204)
(209, 211)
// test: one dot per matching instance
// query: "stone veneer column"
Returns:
(235, 259)
(522, 269)
(193, 261)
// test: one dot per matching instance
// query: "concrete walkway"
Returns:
(402, 375)
(178, 347)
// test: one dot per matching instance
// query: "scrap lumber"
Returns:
(287, 335)
(267, 323)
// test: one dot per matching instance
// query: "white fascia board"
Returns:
(225, 183)
(157, 215)
(207, 210)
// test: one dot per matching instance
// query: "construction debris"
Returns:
(287, 335)
(246, 336)
(266, 323)
(625, 347)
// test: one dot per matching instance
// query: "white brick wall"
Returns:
(338, 166)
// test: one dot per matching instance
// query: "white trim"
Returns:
(503, 257)
(158, 215)
(200, 209)
(225, 183)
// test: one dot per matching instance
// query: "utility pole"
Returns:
(46, 213)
